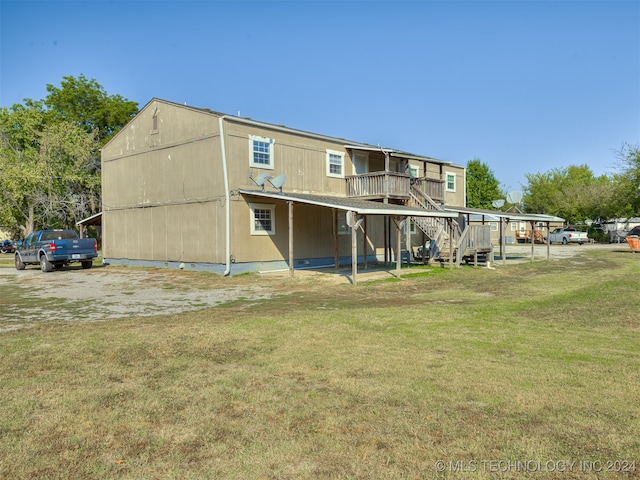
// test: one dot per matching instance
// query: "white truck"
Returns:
(568, 235)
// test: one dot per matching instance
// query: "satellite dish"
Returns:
(278, 181)
(514, 197)
(498, 203)
(260, 179)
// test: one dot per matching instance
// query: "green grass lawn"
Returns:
(526, 371)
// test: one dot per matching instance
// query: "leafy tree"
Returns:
(627, 182)
(50, 154)
(44, 169)
(572, 193)
(85, 103)
(482, 185)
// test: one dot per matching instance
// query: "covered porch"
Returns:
(357, 212)
(503, 219)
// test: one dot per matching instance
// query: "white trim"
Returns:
(271, 208)
(335, 153)
(446, 184)
(270, 142)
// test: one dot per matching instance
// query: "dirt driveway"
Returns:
(112, 292)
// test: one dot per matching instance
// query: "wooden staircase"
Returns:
(447, 242)
(443, 233)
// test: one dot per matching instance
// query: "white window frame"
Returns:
(494, 226)
(410, 228)
(263, 206)
(335, 153)
(414, 171)
(270, 142)
(447, 175)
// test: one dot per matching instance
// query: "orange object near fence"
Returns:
(634, 242)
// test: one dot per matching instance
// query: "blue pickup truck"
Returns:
(54, 249)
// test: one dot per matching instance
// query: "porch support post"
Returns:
(336, 258)
(533, 239)
(364, 241)
(505, 221)
(501, 237)
(399, 222)
(291, 259)
(548, 243)
(450, 222)
(354, 224)
(386, 252)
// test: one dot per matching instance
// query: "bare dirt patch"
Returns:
(111, 292)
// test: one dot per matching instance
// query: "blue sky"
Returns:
(525, 86)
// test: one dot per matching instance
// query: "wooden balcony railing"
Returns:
(432, 187)
(391, 185)
(379, 185)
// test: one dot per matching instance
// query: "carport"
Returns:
(92, 221)
(505, 218)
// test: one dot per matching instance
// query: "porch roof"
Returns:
(95, 220)
(497, 214)
(361, 207)
(396, 153)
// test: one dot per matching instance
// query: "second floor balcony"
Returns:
(391, 185)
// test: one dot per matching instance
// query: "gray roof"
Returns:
(347, 143)
(522, 217)
(361, 207)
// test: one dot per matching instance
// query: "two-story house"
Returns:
(193, 188)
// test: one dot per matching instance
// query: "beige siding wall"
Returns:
(302, 159)
(456, 197)
(163, 193)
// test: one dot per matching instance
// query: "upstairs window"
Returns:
(261, 152)
(263, 219)
(335, 164)
(451, 182)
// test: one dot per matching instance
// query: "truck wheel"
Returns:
(565, 241)
(45, 265)
(86, 265)
(19, 263)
